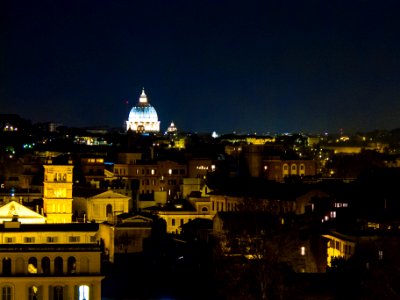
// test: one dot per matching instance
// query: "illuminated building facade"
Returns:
(172, 128)
(57, 193)
(178, 214)
(103, 207)
(93, 170)
(13, 210)
(143, 117)
(370, 246)
(163, 176)
(278, 169)
(339, 246)
(127, 236)
(200, 167)
(49, 261)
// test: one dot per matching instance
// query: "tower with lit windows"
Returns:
(57, 193)
(143, 117)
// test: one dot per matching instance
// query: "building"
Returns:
(49, 261)
(127, 236)
(171, 130)
(143, 117)
(200, 167)
(102, 207)
(93, 170)
(14, 210)
(277, 169)
(57, 192)
(152, 177)
(339, 246)
(179, 213)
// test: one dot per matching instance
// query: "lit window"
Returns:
(337, 245)
(83, 292)
(170, 171)
(33, 293)
(380, 254)
(303, 250)
(32, 265)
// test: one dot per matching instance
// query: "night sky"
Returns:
(243, 66)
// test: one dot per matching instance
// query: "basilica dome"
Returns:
(143, 117)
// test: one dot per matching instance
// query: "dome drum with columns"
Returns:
(143, 117)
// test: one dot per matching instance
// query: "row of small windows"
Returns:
(45, 266)
(124, 171)
(49, 239)
(95, 160)
(56, 292)
(219, 206)
(181, 222)
(347, 249)
(60, 177)
(293, 167)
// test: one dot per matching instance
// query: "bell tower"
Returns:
(57, 192)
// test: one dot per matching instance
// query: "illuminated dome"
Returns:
(143, 117)
(172, 129)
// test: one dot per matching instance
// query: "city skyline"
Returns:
(225, 66)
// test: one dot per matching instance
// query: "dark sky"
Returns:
(244, 66)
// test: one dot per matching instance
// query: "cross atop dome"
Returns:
(143, 97)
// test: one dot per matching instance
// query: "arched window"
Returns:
(83, 292)
(32, 265)
(71, 265)
(33, 293)
(293, 169)
(58, 293)
(6, 266)
(6, 292)
(46, 265)
(58, 265)
(204, 209)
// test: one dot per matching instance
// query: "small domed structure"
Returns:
(172, 129)
(143, 117)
